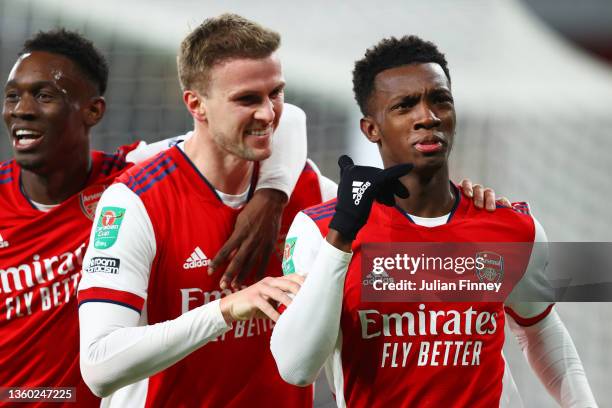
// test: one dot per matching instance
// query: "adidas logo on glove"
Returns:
(359, 187)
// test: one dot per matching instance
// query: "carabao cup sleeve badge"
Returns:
(107, 229)
(288, 266)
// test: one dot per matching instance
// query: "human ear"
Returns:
(95, 111)
(370, 129)
(195, 105)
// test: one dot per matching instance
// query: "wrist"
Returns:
(226, 309)
(337, 240)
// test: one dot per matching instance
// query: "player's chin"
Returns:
(258, 154)
(429, 163)
(251, 153)
(258, 149)
(29, 161)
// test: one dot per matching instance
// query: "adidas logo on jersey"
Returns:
(359, 187)
(197, 259)
(3, 243)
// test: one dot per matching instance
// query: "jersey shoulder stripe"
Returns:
(114, 296)
(521, 207)
(112, 163)
(6, 172)
(322, 211)
(143, 178)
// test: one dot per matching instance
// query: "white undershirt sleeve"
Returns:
(306, 333)
(546, 343)
(115, 351)
(551, 353)
(283, 168)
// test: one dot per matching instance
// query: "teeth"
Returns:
(25, 142)
(263, 132)
(22, 133)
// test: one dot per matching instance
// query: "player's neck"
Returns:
(225, 171)
(431, 194)
(55, 186)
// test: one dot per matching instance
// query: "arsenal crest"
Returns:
(89, 198)
(492, 269)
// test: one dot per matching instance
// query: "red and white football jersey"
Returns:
(402, 354)
(40, 265)
(161, 272)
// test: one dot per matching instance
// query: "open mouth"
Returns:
(259, 132)
(26, 139)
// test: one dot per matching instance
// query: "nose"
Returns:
(265, 112)
(427, 118)
(25, 108)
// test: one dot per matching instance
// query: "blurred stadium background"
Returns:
(532, 85)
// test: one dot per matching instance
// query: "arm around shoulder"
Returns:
(283, 168)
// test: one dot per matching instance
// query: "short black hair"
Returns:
(76, 48)
(391, 53)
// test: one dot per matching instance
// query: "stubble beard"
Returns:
(239, 150)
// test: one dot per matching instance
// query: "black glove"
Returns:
(359, 187)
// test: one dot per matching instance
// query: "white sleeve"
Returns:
(115, 350)
(329, 189)
(121, 248)
(146, 150)
(283, 168)
(534, 285)
(306, 333)
(541, 334)
(551, 353)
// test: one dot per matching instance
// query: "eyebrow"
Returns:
(248, 92)
(35, 85)
(405, 98)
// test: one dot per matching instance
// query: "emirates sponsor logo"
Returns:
(40, 270)
(413, 333)
(197, 259)
(427, 323)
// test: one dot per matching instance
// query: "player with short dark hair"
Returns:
(76, 48)
(390, 53)
(48, 196)
(434, 354)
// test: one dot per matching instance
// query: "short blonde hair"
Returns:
(219, 39)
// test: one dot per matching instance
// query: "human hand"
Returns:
(255, 234)
(358, 188)
(482, 196)
(261, 298)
